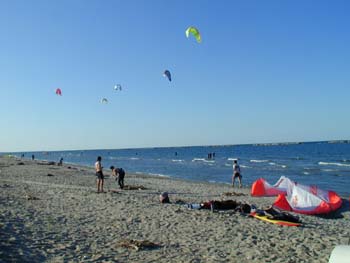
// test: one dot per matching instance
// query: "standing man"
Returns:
(99, 174)
(236, 174)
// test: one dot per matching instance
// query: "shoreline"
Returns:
(67, 221)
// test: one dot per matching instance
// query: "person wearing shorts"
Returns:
(236, 174)
(99, 174)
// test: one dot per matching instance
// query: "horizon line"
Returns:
(188, 146)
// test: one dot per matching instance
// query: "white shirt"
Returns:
(98, 166)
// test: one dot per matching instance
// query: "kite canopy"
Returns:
(118, 87)
(167, 74)
(308, 200)
(194, 31)
(104, 101)
(58, 92)
(296, 197)
(262, 188)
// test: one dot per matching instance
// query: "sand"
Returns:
(61, 218)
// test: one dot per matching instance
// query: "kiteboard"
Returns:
(274, 221)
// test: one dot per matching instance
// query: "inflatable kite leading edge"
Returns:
(298, 198)
(308, 200)
(262, 188)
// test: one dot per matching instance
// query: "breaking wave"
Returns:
(336, 164)
(259, 161)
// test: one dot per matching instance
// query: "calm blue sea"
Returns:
(326, 165)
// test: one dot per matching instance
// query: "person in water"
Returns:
(99, 174)
(236, 174)
(119, 173)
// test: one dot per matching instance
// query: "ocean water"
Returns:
(324, 164)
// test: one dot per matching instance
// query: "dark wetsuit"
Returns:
(121, 175)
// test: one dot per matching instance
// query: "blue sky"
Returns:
(266, 71)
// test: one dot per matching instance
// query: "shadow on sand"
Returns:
(338, 214)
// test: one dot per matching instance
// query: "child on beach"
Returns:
(119, 173)
(236, 174)
(99, 174)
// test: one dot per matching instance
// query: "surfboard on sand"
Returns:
(274, 221)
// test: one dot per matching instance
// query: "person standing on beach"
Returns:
(236, 174)
(119, 173)
(99, 174)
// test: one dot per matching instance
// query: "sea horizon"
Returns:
(340, 141)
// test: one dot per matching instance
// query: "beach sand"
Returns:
(61, 218)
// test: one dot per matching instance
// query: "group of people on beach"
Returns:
(118, 173)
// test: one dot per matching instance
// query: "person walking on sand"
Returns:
(99, 174)
(236, 174)
(119, 173)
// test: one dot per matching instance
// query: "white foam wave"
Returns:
(152, 174)
(177, 161)
(202, 160)
(232, 159)
(242, 166)
(259, 161)
(306, 173)
(336, 164)
(198, 159)
(134, 158)
(160, 175)
(280, 165)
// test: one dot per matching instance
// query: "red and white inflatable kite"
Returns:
(298, 198)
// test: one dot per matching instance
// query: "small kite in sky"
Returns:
(104, 101)
(58, 92)
(167, 74)
(118, 87)
(194, 32)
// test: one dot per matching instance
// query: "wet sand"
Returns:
(61, 218)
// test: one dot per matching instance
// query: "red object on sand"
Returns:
(298, 198)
